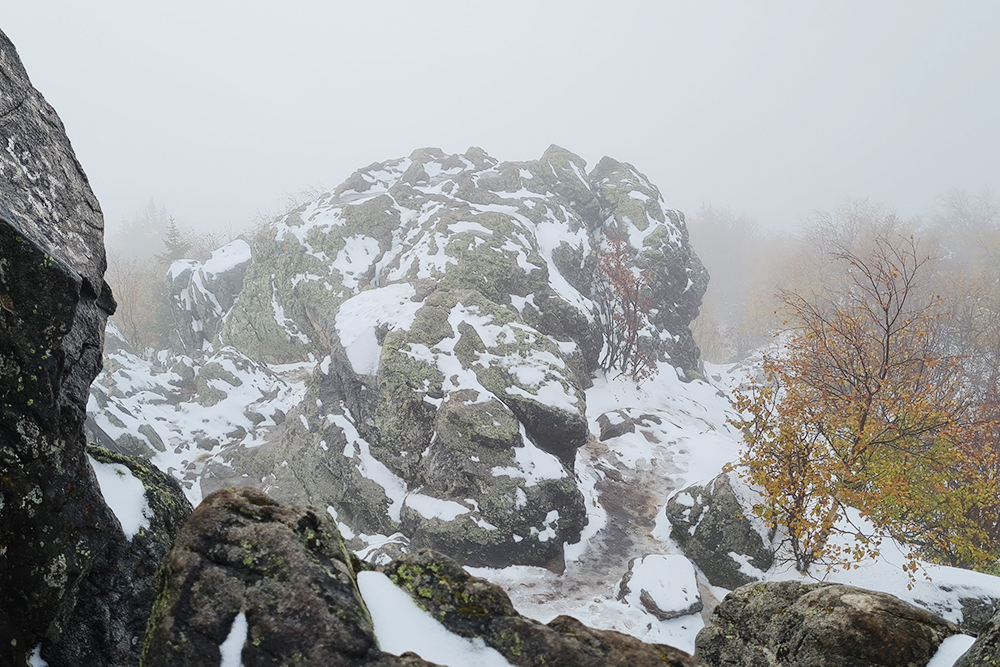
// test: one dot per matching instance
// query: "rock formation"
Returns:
(286, 570)
(791, 624)
(70, 578)
(449, 299)
(53, 307)
(717, 532)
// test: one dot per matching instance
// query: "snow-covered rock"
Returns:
(715, 527)
(665, 586)
(203, 293)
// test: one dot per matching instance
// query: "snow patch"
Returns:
(124, 494)
(231, 650)
(401, 626)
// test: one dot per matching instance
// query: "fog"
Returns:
(217, 109)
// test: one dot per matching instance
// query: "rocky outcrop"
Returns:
(449, 298)
(74, 578)
(202, 293)
(474, 608)
(284, 568)
(791, 624)
(986, 651)
(54, 304)
(715, 529)
(283, 574)
(106, 627)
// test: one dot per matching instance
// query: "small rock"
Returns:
(665, 586)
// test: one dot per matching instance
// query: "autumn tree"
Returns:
(624, 300)
(863, 409)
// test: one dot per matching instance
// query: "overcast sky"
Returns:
(216, 109)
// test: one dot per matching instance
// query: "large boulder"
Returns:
(474, 608)
(281, 574)
(792, 624)
(54, 525)
(986, 651)
(715, 528)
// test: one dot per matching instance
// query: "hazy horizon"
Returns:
(770, 109)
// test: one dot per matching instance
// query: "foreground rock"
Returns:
(114, 601)
(474, 608)
(791, 624)
(286, 571)
(717, 532)
(986, 651)
(64, 559)
(284, 568)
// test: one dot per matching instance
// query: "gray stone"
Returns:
(710, 523)
(986, 651)
(792, 624)
(977, 612)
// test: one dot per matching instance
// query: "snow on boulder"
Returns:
(202, 293)
(665, 586)
(715, 527)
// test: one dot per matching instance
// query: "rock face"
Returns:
(791, 624)
(448, 298)
(71, 579)
(986, 651)
(53, 307)
(284, 568)
(977, 613)
(711, 524)
(107, 625)
(474, 608)
(204, 292)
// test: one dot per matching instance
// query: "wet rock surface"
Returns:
(54, 303)
(791, 624)
(474, 608)
(710, 524)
